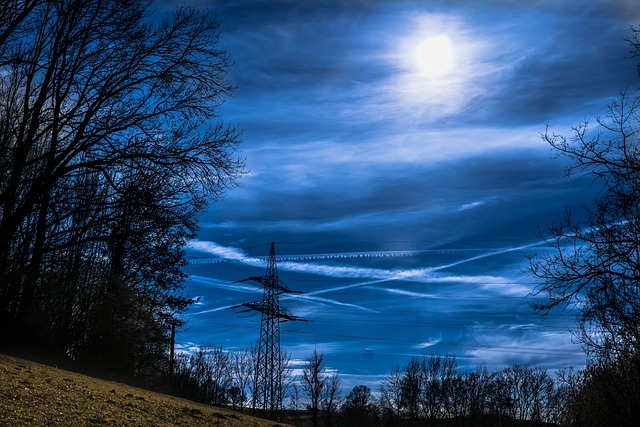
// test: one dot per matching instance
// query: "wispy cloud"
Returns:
(506, 344)
(325, 301)
(407, 293)
(472, 205)
(222, 284)
(227, 253)
(213, 310)
(422, 275)
(427, 344)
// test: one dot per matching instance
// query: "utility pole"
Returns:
(268, 369)
(173, 322)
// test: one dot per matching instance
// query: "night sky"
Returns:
(394, 155)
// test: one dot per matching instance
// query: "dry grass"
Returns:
(32, 394)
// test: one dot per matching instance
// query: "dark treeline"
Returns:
(431, 390)
(110, 146)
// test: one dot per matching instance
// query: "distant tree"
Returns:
(570, 383)
(438, 377)
(221, 375)
(477, 392)
(391, 396)
(411, 389)
(528, 392)
(514, 395)
(360, 408)
(314, 380)
(242, 367)
(604, 394)
(192, 375)
(331, 397)
(296, 403)
(285, 380)
(205, 375)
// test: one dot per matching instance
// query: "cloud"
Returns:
(507, 288)
(428, 344)
(213, 310)
(222, 252)
(415, 199)
(222, 284)
(425, 275)
(507, 344)
(407, 293)
(472, 205)
(326, 301)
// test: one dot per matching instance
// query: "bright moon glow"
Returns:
(434, 56)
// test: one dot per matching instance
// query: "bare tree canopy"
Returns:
(111, 145)
(594, 265)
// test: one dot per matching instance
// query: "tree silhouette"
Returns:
(594, 265)
(360, 407)
(314, 381)
(110, 148)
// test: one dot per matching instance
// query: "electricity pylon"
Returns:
(268, 369)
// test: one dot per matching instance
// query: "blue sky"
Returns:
(403, 198)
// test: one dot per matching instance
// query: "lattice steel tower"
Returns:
(269, 369)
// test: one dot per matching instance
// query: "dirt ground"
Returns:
(32, 394)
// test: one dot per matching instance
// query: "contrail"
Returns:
(489, 254)
(211, 310)
(225, 285)
(407, 293)
(327, 301)
(343, 255)
(349, 255)
(252, 289)
(424, 275)
(237, 255)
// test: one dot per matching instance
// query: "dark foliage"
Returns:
(608, 393)
(110, 146)
(593, 267)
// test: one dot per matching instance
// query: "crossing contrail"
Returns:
(422, 275)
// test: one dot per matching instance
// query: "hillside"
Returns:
(32, 394)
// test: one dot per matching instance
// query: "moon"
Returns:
(434, 56)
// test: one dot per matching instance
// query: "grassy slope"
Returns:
(32, 394)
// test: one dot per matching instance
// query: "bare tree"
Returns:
(331, 398)
(571, 382)
(594, 266)
(529, 392)
(477, 391)
(220, 375)
(391, 394)
(110, 146)
(438, 375)
(12, 26)
(360, 407)
(314, 381)
(242, 366)
(412, 387)
(285, 380)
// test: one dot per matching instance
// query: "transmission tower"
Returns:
(268, 373)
